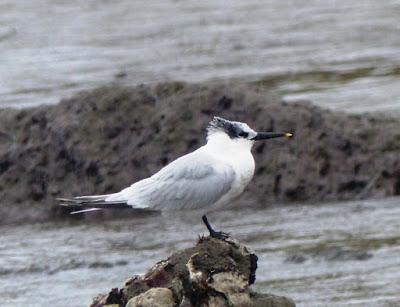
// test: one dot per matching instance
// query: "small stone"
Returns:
(215, 301)
(161, 297)
(270, 300)
(234, 286)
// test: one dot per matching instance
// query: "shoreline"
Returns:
(102, 140)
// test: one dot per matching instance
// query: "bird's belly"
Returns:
(244, 170)
(241, 182)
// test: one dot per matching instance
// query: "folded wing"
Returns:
(193, 181)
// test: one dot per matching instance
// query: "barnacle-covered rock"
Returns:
(161, 297)
(212, 273)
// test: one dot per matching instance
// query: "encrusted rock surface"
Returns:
(161, 296)
(103, 140)
(213, 273)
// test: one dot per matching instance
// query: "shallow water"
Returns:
(337, 254)
(340, 54)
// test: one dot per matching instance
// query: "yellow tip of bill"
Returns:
(288, 134)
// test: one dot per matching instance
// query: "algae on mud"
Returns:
(103, 140)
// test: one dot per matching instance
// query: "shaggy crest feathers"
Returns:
(232, 128)
(219, 124)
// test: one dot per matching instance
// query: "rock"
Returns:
(161, 297)
(113, 298)
(234, 286)
(212, 273)
(269, 300)
(103, 140)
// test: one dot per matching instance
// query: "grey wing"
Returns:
(192, 181)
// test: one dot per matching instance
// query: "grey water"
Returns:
(333, 254)
(342, 55)
(339, 54)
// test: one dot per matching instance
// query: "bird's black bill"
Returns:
(271, 135)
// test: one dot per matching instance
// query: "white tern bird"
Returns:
(212, 175)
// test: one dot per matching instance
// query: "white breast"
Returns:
(243, 166)
(236, 153)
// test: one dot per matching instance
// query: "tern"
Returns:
(211, 176)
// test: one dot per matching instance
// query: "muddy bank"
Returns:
(103, 140)
(213, 273)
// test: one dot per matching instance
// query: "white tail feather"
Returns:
(85, 210)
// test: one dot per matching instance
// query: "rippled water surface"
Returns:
(339, 254)
(340, 54)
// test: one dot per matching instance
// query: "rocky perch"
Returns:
(213, 273)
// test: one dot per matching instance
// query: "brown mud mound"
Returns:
(103, 140)
(213, 273)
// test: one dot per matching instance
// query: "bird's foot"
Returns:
(214, 234)
(220, 235)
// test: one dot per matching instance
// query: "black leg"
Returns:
(215, 234)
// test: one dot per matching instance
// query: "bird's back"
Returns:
(196, 180)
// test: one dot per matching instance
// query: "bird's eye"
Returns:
(243, 134)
